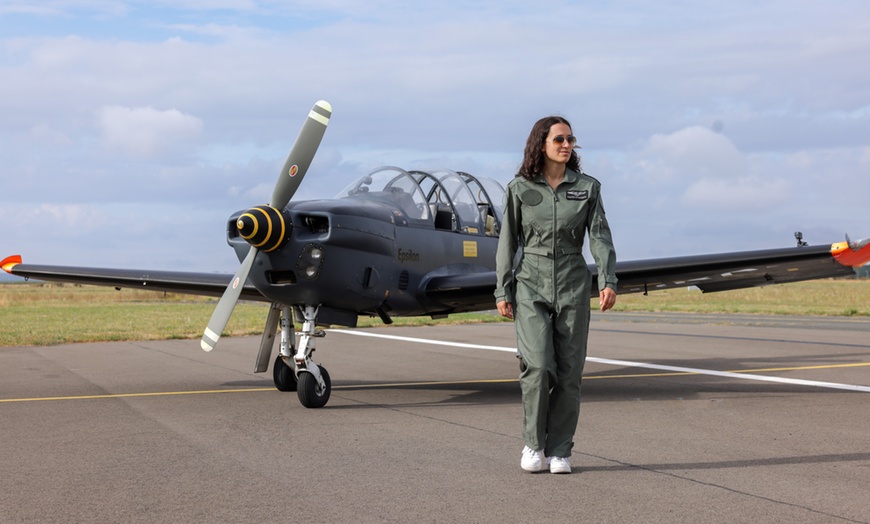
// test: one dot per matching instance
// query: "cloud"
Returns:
(51, 225)
(145, 132)
(66, 219)
(44, 134)
(737, 194)
(158, 108)
(708, 171)
(691, 153)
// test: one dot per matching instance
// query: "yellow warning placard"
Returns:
(469, 249)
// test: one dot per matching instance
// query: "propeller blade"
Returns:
(301, 155)
(227, 303)
(291, 176)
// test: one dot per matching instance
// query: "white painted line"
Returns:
(626, 363)
(730, 374)
(422, 340)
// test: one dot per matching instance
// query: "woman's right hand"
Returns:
(505, 309)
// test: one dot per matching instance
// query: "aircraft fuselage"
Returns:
(358, 256)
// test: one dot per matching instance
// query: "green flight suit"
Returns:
(550, 294)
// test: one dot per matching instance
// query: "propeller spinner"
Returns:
(269, 218)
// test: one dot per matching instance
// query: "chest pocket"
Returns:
(535, 217)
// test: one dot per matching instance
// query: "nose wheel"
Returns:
(313, 384)
(311, 393)
(293, 369)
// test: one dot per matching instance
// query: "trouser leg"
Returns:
(534, 342)
(571, 329)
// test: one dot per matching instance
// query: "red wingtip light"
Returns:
(848, 256)
(9, 262)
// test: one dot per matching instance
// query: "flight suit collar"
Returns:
(571, 177)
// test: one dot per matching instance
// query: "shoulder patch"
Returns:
(530, 197)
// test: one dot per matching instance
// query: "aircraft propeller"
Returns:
(273, 234)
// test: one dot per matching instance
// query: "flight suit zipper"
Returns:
(554, 233)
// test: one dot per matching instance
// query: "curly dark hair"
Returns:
(533, 158)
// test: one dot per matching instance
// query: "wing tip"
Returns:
(846, 254)
(10, 262)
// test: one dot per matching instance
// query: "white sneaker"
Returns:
(533, 460)
(559, 464)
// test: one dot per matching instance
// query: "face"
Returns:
(559, 144)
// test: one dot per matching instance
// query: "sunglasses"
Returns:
(559, 139)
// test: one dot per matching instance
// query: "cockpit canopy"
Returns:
(453, 200)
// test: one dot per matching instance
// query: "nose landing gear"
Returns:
(313, 385)
(293, 369)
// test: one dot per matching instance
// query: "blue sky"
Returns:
(132, 130)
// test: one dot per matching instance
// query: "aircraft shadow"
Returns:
(459, 394)
(614, 383)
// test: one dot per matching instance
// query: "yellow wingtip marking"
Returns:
(9, 262)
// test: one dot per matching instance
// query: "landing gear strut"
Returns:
(284, 370)
(293, 369)
(313, 384)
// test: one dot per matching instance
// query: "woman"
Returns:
(549, 208)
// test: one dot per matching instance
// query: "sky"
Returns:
(131, 130)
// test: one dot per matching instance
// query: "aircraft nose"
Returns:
(264, 227)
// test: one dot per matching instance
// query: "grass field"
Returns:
(46, 314)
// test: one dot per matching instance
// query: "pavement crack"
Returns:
(660, 471)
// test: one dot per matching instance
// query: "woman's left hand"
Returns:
(607, 298)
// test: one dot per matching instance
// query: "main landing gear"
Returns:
(293, 369)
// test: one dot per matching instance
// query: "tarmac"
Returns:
(685, 418)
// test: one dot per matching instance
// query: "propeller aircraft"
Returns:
(399, 243)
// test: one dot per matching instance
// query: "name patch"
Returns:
(578, 195)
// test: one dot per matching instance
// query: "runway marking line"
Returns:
(673, 371)
(766, 370)
(627, 363)
(247, 390)
(133, 395)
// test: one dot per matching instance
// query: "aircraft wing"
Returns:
(714, 272)
(474, 291)
(206, 284)
(721, 272)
